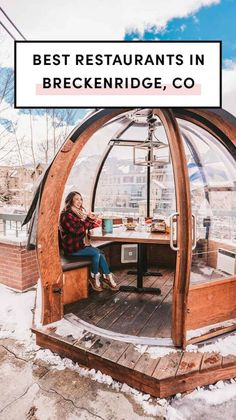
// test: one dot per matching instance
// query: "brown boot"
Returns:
(95, 282)
(108, 280)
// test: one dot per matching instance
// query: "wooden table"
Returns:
(142, 238)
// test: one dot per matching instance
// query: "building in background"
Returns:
(17, 184)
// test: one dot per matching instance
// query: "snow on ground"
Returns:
(16, 314)
(16, 321)
(205, 403)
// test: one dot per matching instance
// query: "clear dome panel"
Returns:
(84, 171)
(122, 185)
(163, 200)
(212, 175)
(125, 183)
(138, 127)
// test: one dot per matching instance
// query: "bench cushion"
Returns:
(72, 262)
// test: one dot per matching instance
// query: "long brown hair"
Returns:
(69, 200)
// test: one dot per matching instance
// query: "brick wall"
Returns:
(18, 267)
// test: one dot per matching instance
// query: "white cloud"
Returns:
(101, 19)
(229, 86)
(182, 28)
(95, 19)
(195, 19)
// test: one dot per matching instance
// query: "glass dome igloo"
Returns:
(178, 165)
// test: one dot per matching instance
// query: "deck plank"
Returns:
(136, 311)
(190, 362)
(188, 382)
(98, 304)
(153, 310)
(167, 366)
(115, 350)
(100, 346)
(211, 361)
(120, 306)
(87, 341)
(146, 364)
(141, 312)
(112, 300)
(140, 315)
(158, 319)
(228, 360)
(164, 328)
(95, 298)
(130, 357)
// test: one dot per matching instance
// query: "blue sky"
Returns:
(216, 22)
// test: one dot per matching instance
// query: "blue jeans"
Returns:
(98, 259)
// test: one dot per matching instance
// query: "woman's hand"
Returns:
(91, 215)
(82, 214)
(97, 221)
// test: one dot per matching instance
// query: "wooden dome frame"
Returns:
(217, 122)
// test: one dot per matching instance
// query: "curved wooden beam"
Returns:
(47, 229)
(184, 232)
(219, 123)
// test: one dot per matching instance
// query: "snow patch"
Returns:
(64, 328)
(38, 305)
(225, 346)
(204, 330)
(219, 393)
(16, 314)
(156, 351)
(207, 270)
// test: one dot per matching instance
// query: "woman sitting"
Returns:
(75, 222)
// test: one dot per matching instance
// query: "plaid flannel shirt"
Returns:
(73, 231)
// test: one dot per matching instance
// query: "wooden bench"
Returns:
(76, 272)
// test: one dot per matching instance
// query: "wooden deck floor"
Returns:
(179, 371)
(139, 315)
(130, 313)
